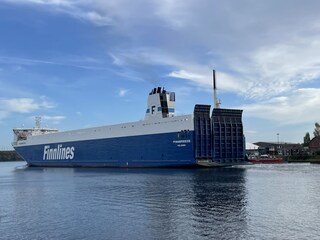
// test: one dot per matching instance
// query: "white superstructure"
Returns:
(159, 118)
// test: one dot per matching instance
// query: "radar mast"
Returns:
(38, 122)
(217, 102)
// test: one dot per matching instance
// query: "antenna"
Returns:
(215, 94)
(38, 122)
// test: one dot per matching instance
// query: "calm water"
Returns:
(252, 202)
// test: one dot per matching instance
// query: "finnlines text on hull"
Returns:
(59, 153)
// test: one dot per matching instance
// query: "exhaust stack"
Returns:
(215, 94)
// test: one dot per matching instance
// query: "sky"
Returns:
(86, 63)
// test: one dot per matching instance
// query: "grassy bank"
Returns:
(305, 159)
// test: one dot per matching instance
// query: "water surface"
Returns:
(251, 202)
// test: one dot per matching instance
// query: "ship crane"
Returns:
(217, 102)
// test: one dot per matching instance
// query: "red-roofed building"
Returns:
(314, 145)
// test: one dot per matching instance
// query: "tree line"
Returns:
(316, 133)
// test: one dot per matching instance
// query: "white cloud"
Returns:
(262, 73)
(186, 75)
(300, 106)
(22, 105)
(261, 50)
(53, 119)
(78, 9)
(115, 59)
(43, 2)
(282, 67)
(82, 62)
(203, 78)
(96, 18)
(19, 105)
(122, 92)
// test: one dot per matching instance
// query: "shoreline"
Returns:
(9, 156)
(311, 160)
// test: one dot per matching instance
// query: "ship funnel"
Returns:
(161, 104)
(215, 94)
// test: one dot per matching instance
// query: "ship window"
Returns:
(172, 97)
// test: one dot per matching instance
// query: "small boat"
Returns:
(265, 159)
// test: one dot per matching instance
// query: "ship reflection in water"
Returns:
(219, 200)
(252, 202)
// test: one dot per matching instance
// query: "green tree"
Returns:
(316, 131)
(306, 139)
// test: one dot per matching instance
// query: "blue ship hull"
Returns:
(156, 150)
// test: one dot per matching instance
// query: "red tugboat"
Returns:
(265, 159)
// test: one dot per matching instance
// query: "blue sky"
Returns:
(90, 63)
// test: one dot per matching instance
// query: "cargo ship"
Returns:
(203, 138)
